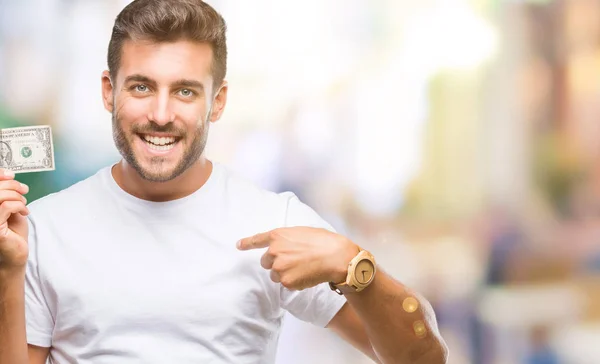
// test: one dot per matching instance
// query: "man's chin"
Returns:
(157, 178)
(162, 174)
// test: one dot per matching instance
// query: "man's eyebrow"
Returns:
(189, 83)
(139, 78)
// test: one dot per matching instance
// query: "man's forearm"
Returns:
(400, 324)
(13, 341)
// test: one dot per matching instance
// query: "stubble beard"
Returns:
(158, 173)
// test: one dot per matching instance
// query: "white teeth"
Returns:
(160, 147)
(159, 141)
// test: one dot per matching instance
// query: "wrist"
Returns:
(12, 272)
(340, 271)
(359, 273)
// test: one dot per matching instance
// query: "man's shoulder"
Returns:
(246, 192)
(285, 207)
(77, 193)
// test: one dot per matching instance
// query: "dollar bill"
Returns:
(27, 149)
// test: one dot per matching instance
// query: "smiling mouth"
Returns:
(161, 143)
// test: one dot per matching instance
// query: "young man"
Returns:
(166, 257)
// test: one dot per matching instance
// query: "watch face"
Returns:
(364, 271)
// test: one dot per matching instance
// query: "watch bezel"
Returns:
(351, 284)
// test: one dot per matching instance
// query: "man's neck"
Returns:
(183, 185)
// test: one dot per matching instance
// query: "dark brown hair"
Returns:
(170, 21)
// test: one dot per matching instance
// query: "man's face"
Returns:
(160, 103)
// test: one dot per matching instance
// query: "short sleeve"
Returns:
(39, 319)
(319, 304)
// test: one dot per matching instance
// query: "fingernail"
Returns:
(25, 187)
(238, 244)
(9, 173)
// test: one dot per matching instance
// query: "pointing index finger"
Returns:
(257, 241)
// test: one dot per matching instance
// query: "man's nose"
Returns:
(161, 112)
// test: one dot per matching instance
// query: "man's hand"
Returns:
(302, 257)
(13, 224)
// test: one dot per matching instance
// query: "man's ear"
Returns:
(107, 92)
(219, 102)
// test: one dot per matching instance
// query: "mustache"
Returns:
(153, 127)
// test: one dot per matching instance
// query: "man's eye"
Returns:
(141, 88)
(186, 92)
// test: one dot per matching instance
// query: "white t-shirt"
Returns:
(115, 279)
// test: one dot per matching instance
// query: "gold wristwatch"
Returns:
(361, 272)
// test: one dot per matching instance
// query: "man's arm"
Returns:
(37, 354)
(13, 261)
(386, 321)
(347, 325)
(392, 321)
(13, 341)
